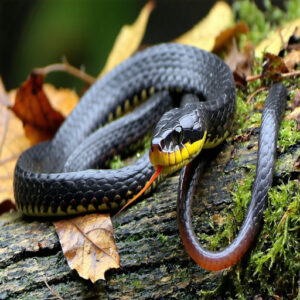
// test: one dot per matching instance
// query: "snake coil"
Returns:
(57, 178)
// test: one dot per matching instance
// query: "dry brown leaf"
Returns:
(42, 108)
(273, 67)
(296, 100)
(62, 100)
(88, 245)
(273, 44)
(294, 115)
(203, 34)
(240, 62)
(128, 39)
(227, 35)
(292, 59)
(13, 143)
(34, 109)
(12, 137)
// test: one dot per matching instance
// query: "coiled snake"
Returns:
(57, 178)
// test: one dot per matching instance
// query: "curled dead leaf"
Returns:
(240, 62)
(42, 108)
(292, 59)
(227, 35)
(33, 108)
(88, 245)
(273, 67)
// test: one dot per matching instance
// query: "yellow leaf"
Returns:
(88, 244)
(13, 143)
(273, 44)
(62, 99)
(128, 39)
(203, 34)
(12, 137)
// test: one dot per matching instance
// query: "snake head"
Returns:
(178, 137)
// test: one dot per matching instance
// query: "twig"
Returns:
(52, 291)
(294, 73)
(66, 67)
(282, 39)
(255, 92)
(283, 75)
(254, 77)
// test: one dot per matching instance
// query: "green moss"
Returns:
(288, 134)
(274, 264)
(136, 283)
(262, 22)
(292, 9)
(162, 238)
(247, 11)
(116, 162)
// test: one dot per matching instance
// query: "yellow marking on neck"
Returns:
(214, 143)
(174, 161)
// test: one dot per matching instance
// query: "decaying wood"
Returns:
(154, 263)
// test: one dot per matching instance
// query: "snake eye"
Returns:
(178, 135)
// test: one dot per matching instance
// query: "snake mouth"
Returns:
(175, 160)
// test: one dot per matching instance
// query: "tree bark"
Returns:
(154, 262)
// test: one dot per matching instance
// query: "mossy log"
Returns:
(154, 262)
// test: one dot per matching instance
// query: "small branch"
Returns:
(283, 75)
(52, 291)
(255, 92)
(282, 39)
(294, 73)
(254, 77)
(66, 67)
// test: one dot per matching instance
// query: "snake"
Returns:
(68, 175)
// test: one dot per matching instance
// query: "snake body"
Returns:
(56, 178)
(51, 177)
